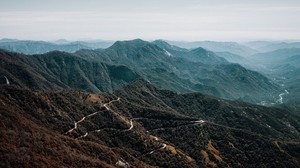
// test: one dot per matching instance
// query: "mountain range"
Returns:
(216, 46)
(40, 47)
(267, 46)
(149, 104)
(183, 71)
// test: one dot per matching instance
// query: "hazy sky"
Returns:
(188, 20)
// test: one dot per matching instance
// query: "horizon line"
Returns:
(145, 39)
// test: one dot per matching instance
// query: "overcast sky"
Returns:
(188, 20)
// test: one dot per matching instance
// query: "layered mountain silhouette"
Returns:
(40, 47)
(185, 71)
(216, 46)
(174, 69)
(145, 104)
(268, 46)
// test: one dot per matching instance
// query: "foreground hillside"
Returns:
(141, 126)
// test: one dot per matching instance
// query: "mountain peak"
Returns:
(136, 42)
(199, 50)
(135, 49)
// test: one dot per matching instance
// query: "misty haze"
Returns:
(150, 83)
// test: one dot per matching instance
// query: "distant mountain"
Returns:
(268, 46)
(183, 74)
(214, 46)
(276, 62)
(276, 56)
(258, 44)
(141, 126)
(40, 47)
(7, 40)
(293, 60)
(61, 41)
(234, 58)
(196, 55)
(281, 45)
(95, 44)
(196, 70)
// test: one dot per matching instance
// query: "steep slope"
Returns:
(57, 70)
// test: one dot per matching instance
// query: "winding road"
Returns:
(106, 105)
(131, 125)
(7, 81)
(90, 115)
(83, 136)
(76, 125)
(164, 146)
(280, 100)
(161, 148)
(199, 122)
